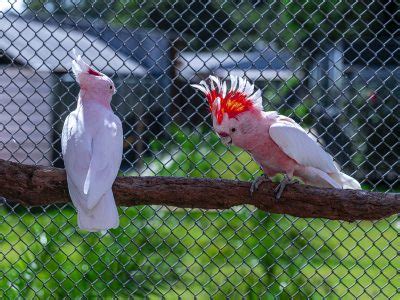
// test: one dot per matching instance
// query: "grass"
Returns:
(164, 251)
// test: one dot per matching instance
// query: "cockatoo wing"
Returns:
(105, 160)
(92, 161)
(296, 143)
(75, 141)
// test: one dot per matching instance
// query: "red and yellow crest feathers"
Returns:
(240, 97)
(233, 104)
(211, 96)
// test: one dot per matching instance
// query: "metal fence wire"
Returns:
(333, 66)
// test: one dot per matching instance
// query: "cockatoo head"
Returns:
(235, 112)
(91, 81)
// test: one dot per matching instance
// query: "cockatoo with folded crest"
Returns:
(275, 141)
(92, 149)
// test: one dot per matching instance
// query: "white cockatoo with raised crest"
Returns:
(91, 143)
(276, 142)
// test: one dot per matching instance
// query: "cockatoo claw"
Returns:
(257, 182)
(282, 185)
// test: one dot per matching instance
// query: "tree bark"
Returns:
(38, 185)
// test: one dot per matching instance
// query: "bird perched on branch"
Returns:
(276, 142)
(92, 149)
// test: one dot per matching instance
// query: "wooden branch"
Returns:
(38, 185)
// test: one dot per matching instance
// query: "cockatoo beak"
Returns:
(227, 141)
(225, 138)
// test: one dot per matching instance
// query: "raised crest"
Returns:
(239, 98)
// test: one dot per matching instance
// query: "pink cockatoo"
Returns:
(276, 142)
(92, 149)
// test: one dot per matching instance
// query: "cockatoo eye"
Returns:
(110, 87)
(233, 129)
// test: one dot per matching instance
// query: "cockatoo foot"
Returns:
(257, 182)
(282, 185)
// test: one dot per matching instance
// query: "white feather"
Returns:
(217, 82)
(233, 80)
(238, 84)
(256, 98)
(224, 90)
(249, 88)
(212, 87)
(200, 88)
(217, 103)
(242, 83)
(76, 69)
(204, 84)
(103, 216)
(78, 65)
(295, 142)
(346, 181)
(92, 151)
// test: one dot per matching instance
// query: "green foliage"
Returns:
(317, 19)
(200, 154)
(173, 252)
(164, 251)
(215, 24)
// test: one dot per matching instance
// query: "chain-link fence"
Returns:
(333, 66)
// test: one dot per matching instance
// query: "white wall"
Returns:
(25, 116)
